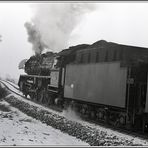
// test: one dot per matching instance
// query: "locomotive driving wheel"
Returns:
(40, 96)
(46, 98)
(32, 96)
(43, 97)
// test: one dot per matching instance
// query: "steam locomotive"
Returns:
(104, 81)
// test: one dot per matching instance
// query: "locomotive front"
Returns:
(42, 76)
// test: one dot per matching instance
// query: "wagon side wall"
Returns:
(102, 83)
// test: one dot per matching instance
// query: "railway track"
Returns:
(123, 131)
(5, 83)
(11, 84)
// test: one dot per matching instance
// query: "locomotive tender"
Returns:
(104, 81)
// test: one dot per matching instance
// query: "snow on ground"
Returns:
(72, 116)
(19, 129)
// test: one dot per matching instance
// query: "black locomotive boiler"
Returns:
(104, 81)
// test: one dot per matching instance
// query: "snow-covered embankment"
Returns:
(92, 136)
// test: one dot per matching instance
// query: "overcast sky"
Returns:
(124, 23)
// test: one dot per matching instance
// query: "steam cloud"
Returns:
(53, 24)
(71, 114)
(35, 38)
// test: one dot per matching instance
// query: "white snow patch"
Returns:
(19, 129)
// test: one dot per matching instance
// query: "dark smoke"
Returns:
(34, 37)
(54, 23)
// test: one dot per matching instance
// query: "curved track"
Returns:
(13, 85)
(130, 133)
(3, 82)
(21, 95)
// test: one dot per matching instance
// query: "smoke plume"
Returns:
(34, 37)
(54, 22)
